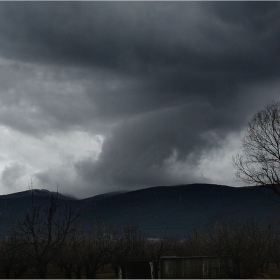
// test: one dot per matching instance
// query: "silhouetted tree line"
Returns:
(54, 236)
(251, 246)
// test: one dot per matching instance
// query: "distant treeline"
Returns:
(54, 236)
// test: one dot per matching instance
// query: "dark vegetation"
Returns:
(51, 240)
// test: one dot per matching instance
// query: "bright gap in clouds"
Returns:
(48, 161)
(214, 165)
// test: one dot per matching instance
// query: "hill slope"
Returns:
(179, 209)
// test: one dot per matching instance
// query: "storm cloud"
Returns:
(103, 96)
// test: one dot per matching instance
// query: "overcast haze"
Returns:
(106, 96)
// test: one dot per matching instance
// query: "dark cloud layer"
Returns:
(161, 81)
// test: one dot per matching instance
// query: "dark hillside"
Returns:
(179, 209)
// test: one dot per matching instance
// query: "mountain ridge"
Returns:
(36, 192)
(180, 209)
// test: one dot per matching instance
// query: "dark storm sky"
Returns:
(103, 96)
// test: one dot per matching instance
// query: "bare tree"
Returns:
(249, 245)
(158, 247)
(12, 261)
(96, 244)
(130, 244)
(77, 251)
(65, 258)
(259, 164)
(43, 232)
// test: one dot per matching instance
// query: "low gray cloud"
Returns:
(12, 173)
(164, 83)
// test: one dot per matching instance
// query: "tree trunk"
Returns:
(123, 271)
(7, 272)
(116, 271)
(78, 271)
(42, 271)
(156, 269)
(20, 272)
(68, 271)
